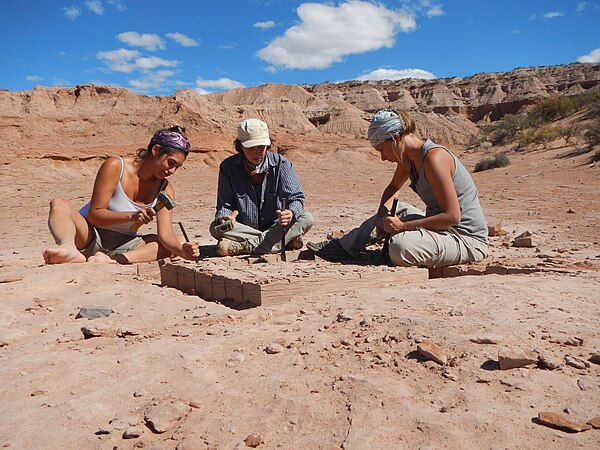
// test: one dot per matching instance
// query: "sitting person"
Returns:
(124, 194)
(452, 230)
(258, 193)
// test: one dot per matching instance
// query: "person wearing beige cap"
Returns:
(259, 196)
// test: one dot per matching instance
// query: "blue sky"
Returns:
(156, 47)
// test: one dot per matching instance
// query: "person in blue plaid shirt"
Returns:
(258, 194)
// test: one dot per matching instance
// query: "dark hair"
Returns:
(237, 144)
(172, 127)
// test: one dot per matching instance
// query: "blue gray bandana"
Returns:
(384, 125)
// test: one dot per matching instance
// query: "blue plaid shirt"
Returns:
(235, 191)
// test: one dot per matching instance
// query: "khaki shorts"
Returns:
(110, 243)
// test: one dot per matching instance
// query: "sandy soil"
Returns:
(342, 370)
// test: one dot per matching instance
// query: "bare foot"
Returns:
(66, 253)
(101, 258)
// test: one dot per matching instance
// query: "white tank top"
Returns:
(119, 202)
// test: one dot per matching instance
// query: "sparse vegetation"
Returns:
(495, 162)
(534, 127)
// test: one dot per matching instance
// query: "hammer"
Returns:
(228, 224)
(386, 243)
(162, 201)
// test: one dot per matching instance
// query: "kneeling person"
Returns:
(259, 195)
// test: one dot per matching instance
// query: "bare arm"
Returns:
(166, 235)
(398, 180)
(439, 168)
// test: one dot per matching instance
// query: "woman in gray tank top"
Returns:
(451, 230)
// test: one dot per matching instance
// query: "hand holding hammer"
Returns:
(162, 201)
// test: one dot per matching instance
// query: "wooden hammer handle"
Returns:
(136, 226)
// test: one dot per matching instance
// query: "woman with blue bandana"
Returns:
(124, 198)
(452, 230)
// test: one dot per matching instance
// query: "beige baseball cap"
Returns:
(253, 132)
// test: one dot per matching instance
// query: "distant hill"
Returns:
(448, 110)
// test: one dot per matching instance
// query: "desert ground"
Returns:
(322, 370)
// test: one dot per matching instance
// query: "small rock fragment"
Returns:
(575, 362)
(93, 312)
(561, 422)
(343, 317)
(253, 440)
(433, 352)
(549, 362)
(92, 332)
(484, 340)
(595, 358)
(273, 348)
(570, 211)
(132, 433)
(594, 422)
(514, 358)
(164, 415)
(140, 393)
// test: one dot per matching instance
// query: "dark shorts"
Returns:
(110, 243)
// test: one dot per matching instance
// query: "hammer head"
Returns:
(164, 201)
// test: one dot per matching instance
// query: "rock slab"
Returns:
(432, 351)
(561, 422)
(514, 358)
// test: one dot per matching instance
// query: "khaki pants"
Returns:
(422, 248)
(268, 241)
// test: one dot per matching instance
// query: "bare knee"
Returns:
(59, 203)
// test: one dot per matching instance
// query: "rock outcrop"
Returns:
(448, 110)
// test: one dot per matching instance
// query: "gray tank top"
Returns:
(472, 221)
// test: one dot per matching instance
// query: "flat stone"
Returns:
(484, 340)
(594, 422)
(92, 332)
(514, 358)
(595, 358)
(549, 362)
(273, 348)
(343, 317)
(575, 362)
(132, 433)
(587, 384)
(253, 440)
(93, 312)
(433, 352)
(561, 422)
(164, 415)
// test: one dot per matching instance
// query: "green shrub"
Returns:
(538, 136)
(592, 135)
(551, 108)
(499, 160)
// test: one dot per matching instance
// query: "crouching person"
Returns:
(259, 195)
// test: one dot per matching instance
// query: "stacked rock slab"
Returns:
(270, 284)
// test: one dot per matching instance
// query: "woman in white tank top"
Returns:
(124, 196)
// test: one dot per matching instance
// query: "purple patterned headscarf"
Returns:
(171, 139)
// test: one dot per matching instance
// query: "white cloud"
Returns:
(119, 5)
(264, 25)
(552, 15)
(328, 33)
(182, 39)
(153, 62)
(392, 74)
(581, 6)
(33, 78)
(151, 81)
(222, 84)
(591, 57)
(435, 11)
(72, 12)
(119, 60)
(95, 6)
(147, 41)
(270, 69)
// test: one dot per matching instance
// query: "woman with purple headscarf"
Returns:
(125, 197)
(452, 229)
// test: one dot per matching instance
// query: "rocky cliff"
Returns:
(448, 110)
